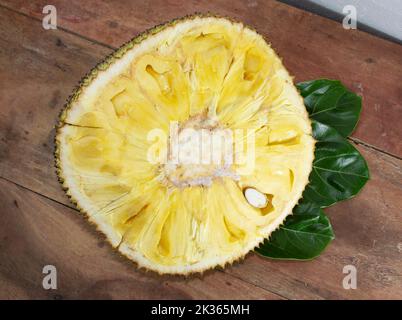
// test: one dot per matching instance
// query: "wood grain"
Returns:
(311, 46)
(36, 232)
(39, 69)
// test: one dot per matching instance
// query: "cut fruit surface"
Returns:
(188, 146)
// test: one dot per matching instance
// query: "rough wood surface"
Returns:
(311, 46)
(36, 232)
(38, 71)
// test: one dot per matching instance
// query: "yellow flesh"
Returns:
(198, 70)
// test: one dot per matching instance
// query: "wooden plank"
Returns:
(31, 77)
(36, 232)
(312, 47)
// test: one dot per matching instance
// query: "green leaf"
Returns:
(330, 103)
(304, 235)
(339, 170)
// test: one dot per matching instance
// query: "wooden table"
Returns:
(39, 226)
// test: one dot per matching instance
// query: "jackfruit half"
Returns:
(188, 146)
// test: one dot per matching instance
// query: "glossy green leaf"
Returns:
(329, 102)
(339, 170)
(304, 235)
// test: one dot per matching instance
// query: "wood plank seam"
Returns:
(40, 194)
(369, 146)
(256, 285)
